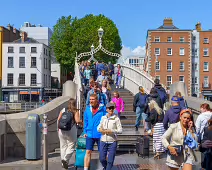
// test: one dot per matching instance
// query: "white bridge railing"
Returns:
(134, 77)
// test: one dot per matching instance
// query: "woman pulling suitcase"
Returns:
(67, 131)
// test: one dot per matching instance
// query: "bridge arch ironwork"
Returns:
(95, 50)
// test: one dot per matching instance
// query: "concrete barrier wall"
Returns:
(16, 123)
(2, 136)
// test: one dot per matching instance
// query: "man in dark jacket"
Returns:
(100, 67)
(161, 91)
(173, 114)
(138, 107)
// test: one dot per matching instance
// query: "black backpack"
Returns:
(66, 121)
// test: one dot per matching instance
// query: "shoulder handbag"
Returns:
(190, 141)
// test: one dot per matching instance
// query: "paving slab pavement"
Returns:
(122, 162)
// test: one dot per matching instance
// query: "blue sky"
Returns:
(132, 17)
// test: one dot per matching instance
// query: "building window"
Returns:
(157, 39)
(182, 39)
(21, 62)
(195, 80)
(169, 81)
(169, 39)
(22, 50)
(157, 66)
(10, 50)
(195, 66)
(206, 52)
(44, 64)
(169, 66)
(33, 62)
(49, 53)
(181, 78)
(157, 77)
(206, 41)
(182, 51)
(10, 62)
(22, 79)
(169, 51)
(33, 49)
(10, 79)
(134, 62)
(157, 51)
(50, 64)
(206, 81)
(44, 51)
(33, 79)
(206, 66)
(182, 66)
(194, 39)
(195, 52)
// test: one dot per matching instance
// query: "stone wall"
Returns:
(2, 136)
(16, 123)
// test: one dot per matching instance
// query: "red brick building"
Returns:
(169, 54)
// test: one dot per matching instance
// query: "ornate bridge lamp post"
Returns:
(100, 33)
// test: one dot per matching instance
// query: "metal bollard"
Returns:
(45, 145)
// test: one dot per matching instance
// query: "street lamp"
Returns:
(92, 47)
(100, 34)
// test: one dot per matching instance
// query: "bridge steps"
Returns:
(127, 140)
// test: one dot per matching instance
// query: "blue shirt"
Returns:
(87, 74)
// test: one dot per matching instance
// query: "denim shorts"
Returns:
(90, 143)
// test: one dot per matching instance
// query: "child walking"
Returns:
(119, 102)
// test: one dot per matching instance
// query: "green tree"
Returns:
(85, 34)
(73, 35)
(61, 41)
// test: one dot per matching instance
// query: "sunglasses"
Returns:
(111, 108)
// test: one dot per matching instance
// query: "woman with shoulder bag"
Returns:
(180, 139)
(156, 116)
(67, 131)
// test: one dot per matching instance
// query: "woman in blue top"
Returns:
(87, 75)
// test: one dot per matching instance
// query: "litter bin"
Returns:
(33, 137)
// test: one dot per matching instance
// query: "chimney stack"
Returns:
(14, 30)
(9, 27)
(168, 22)
(23, 36)
(198, 26)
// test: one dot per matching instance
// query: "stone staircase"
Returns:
(127, 140)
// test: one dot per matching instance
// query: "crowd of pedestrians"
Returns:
(173, 130)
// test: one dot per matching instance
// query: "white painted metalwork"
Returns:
(94, 51)
(134, 77)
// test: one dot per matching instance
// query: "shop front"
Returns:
(207, 95)
(22, 95)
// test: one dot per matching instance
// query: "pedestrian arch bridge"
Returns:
(12, 126)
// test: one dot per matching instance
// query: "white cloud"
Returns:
(127, 51)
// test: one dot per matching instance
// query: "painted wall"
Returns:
(40, 70)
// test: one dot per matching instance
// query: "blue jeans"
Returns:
(118, 81)
(138, 116)
(86, 81)
(106, 148)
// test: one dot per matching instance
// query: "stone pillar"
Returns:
(70, 89)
